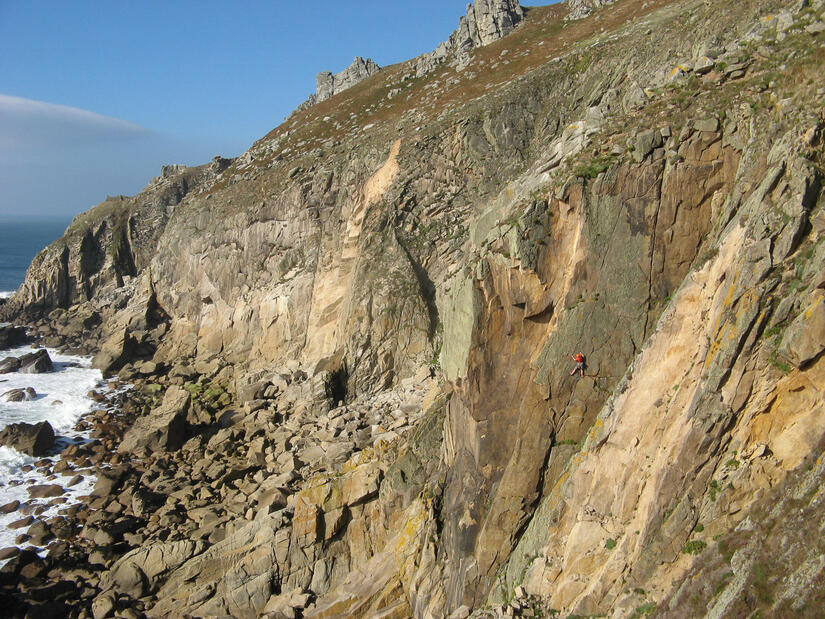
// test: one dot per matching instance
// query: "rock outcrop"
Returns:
(327, 84)
(486, 21)
(579, 9)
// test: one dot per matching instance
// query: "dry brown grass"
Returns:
(542, 37)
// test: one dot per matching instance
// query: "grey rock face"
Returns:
(486, 21)
(328, 84)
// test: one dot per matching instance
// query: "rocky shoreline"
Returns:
(179, 468)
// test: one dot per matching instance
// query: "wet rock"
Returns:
(37, 362)
(11, 336)
(32, 439)
(26, 564)
(74, 481)
(45, 491)
(9, 507)
(19, 395)
(9, 364)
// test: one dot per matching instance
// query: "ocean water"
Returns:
(20, 241)
(61, 400)
(61, 395)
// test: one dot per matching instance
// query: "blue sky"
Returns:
(96, 96)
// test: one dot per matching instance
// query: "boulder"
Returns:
(37, 362)
(40, 533)
(9, 507)
(163, 429)
(19, 395)
(11, 336)
(645, 143)
(145, 502)
(115, 352)
(32, 439)
(9, 364)
(109, 481)
(45, 491)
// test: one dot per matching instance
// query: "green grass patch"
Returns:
(713, 489)
(764, 591)
(645, 610)
(591, 168)
(694, 547)
(781, 365)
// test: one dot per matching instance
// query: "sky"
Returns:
(96, 96)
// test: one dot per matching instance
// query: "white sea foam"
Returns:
(5, 294)
(61, 400)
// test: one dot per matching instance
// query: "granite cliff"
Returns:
(350, 346)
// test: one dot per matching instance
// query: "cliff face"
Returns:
(439, 247)
(93, 268)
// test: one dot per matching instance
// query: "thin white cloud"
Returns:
(26, 124)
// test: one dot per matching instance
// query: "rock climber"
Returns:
(579, 359)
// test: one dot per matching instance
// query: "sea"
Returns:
(61, 395)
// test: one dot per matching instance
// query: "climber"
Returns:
(579, 359)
